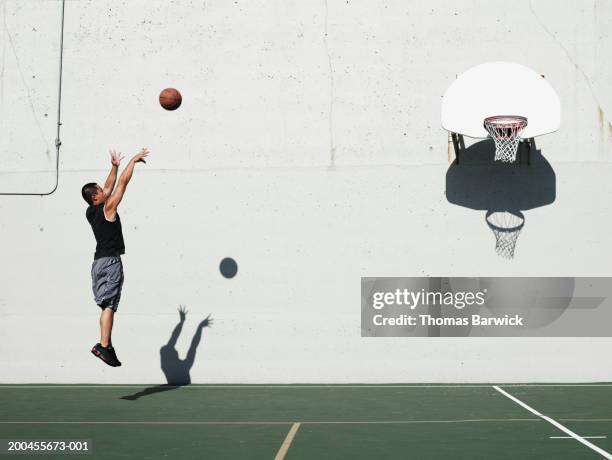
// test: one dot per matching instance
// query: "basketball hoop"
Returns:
(506, 226)
(505, 130)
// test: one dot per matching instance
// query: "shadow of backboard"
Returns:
(501, 189)
(480, 183)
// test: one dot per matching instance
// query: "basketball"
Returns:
(170, 99)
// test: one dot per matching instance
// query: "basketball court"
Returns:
(570, 421)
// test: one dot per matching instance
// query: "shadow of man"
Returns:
(175, 369)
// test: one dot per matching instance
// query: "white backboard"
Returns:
(500, 88)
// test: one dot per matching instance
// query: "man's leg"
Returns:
(107, 280)
(106, 326)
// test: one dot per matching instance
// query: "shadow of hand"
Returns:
(182, 312)
(207, 322)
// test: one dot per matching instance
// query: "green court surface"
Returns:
(315, 421)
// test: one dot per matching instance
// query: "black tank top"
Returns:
(108, 235)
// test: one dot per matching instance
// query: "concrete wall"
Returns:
(309, 148)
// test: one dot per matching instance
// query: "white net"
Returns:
(506, 227)
(505, 130)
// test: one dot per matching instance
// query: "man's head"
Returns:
(93, 194)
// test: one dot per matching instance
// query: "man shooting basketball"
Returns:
(107, 269)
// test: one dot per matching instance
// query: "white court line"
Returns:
(578, 438)
(252, 386)
(306, 386)
(280, 455)
(585, 437)
(330, 422)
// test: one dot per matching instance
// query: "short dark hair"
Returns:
(88, 192)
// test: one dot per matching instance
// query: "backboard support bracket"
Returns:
(458, 145)
(530, 144)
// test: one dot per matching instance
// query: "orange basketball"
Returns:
(170, 99)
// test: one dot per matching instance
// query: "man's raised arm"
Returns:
(109, 185)
(113, 201)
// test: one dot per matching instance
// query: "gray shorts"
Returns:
(107, 281)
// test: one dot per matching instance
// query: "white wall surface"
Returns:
(309, 148)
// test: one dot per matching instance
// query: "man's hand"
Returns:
(115, 198)
(182, 312)
(116, 157)
(140, 156)
(109, 184)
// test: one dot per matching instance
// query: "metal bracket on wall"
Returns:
(58, 142)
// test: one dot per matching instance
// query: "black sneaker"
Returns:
(104, 354)
(114, 355)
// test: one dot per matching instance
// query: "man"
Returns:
(107, 269)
